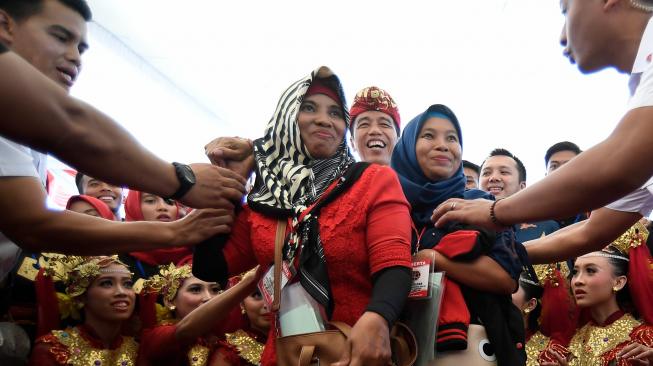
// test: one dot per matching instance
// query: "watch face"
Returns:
(188, 174)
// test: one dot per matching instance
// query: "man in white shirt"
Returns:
(597, 35)
(51, 36)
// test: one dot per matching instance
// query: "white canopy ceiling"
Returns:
(177, 73)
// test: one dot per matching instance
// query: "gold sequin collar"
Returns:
(248, 347)
(535, 345)
(592, 341)
(81, 353)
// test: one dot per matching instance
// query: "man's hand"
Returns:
(215, 187)
(200, 225)
(368, 343)
(233, 153)
(474, 212)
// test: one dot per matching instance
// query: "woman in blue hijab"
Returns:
(481, 267)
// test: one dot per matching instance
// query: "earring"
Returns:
(172, 308)
(527, 310)
(242, 310)
(615, 289)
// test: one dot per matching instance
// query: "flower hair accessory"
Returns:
(77, 272)
(168, 281)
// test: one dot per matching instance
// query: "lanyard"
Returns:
(419, 235)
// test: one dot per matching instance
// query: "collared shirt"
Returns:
(17, 160)
(641, 87)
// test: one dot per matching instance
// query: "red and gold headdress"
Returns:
(168, 281)
(632, 244)
(374, 98)
(77, 272)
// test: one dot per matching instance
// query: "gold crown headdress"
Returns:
(632, 238)
(77, 272)
(168, 281)
(547, 273)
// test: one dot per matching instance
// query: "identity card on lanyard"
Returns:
(266, 284)
(420, 287)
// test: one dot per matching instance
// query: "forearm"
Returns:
(203, 319)
(482, 273)
(38, 113)
(596, 177)
(93, 137)
(389, 293)
(603, 227)
(73, 233)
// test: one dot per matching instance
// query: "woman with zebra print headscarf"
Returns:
(348, 231)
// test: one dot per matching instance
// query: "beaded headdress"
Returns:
(77, 272)
(642, 5)
(632, 238)
(168, 281)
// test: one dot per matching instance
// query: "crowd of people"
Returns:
(559, 273)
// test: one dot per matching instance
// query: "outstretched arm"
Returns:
(38, 113)
(31, 225)
(603, 226)
(594, 178)
(203, 319)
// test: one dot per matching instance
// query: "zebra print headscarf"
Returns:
(289, 180)
(287, 177)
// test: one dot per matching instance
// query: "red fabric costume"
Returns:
(363, 231)
(154, 257)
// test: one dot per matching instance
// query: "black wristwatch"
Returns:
(186, 179)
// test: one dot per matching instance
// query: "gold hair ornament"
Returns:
(168, 281)
(77, 272)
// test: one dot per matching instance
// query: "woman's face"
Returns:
(321, 125)
(193, 293)
(110, 296)
(438, 149)
(155, 208)
(85, 208)
(257, 312)
(593, 281)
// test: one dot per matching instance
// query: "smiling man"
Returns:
(375, 125)
(30, 34)
(502, 175)
(111, 195)
(51, 36)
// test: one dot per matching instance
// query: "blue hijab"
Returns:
(423, 194)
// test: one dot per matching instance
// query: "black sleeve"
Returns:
(390, 290)
(3, 48)
(209, 263)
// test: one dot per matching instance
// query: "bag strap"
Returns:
(342, 327)
(403, 344)
(278, 246)
(306, 355)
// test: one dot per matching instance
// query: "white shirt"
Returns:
(17, 161)
(641, 85)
